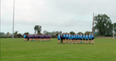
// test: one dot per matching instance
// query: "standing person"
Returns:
(38, 37)
(87, 38)
(76, 38)
(25, 37)
(92, 38)
(33, 37)
(81, 38)
(47, 37)
(84, 38)
(73, 39)
(30, 37)
(43, 37)
(59, 38)
(64, 36)
(69, 39)
(67, 35)
(50, 37)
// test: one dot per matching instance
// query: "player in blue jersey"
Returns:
(81, 38)
(67, 35)
(73, 39)
(84, 36)
(76, 38)
(87, 38)
(59, 38)
(64, 37)
(25, 37)
(69, 39)
(90, 37)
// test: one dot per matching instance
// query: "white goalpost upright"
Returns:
(113, 30)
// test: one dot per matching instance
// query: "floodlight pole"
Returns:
(0, 16)
(93, 24)
(13, 18)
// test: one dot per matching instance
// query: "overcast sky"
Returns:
(54, 15)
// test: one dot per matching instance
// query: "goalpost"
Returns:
(114, 33)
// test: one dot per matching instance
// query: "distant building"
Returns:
(1, 33)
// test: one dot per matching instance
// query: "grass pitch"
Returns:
(18, 50)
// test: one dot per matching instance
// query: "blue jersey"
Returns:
(87, 36)
(66, 35)
(24, 36)
(58, 36)
(72, 36)
(81, 36)
(69, 37)
(84, 36)
(90, 36)
(76, 36)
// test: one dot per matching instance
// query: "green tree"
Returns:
(26, 33)
(72, 33)
(115, 27)
(19, 35)
(103, 24)
(80, 33)
(87, 32)
(37, 29)
(16, 32)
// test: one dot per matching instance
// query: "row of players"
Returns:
(36, 37)
(77, 38)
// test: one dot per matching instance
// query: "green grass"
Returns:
(18, 50)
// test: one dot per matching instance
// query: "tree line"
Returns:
(102, 23)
